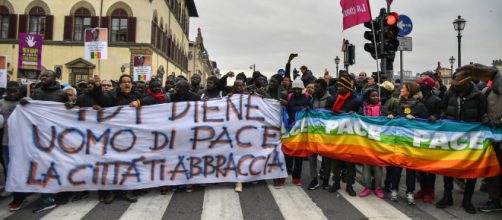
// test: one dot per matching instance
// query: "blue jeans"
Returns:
(377, 173)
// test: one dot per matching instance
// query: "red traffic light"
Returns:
(392, 18)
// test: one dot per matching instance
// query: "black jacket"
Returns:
(473, 107)
(114, 98)
(190, 97)
(352, 104)
(50, 93)
(85, 101)
(433, 105)
(415, 107)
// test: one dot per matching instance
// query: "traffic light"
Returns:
(374, 37)
(352, 54)
(390, 33)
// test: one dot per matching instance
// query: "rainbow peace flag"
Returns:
(96, 55)
(448, 148)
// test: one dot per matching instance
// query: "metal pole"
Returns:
(459, 36)
(337, 74)
(401, 61)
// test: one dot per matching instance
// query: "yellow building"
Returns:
(136, 27)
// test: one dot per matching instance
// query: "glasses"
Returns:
(107, 85)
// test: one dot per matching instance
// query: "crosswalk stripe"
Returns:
(221, 202)
(294, 203)
(72, 210)
(373, 207)
(4, 205)
(148, 207)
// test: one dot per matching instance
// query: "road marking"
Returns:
(72, 210)
(148, 207)
(294, 203)
(221, 202)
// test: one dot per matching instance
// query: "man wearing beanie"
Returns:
(345, 102)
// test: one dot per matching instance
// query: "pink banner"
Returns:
(355, 12)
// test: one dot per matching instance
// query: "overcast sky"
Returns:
(239, 33)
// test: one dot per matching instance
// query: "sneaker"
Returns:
(189, 189)
(411, 198)
(325, 185)
(80, 195)
(393, 195)
(350, 190)
(164, 190)
(130, 196)
(379, 193)
(420, 194)
(297, 182)
(108, 197)
(313, 184)
(491, 206)
(238, 187)
(45, 205)
(15, 205)
(365, 192)
(282, 181)
(429, 196)
(333, 188)
(446, 201)
(277, 183)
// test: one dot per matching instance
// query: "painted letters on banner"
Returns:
(235, 139)
(447, 148)
(355, 12)
(96, 43)
(142, 68)
(30, 52)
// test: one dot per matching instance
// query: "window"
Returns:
(37, 21)
(4, 22)
(81, 22)
(119, 25)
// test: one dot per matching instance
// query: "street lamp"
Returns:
(459, 25)
(337, 61)
(253, 67)
(452, 61)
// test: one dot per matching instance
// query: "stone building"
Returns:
(198, 58)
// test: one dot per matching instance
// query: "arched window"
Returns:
(81, 22)
(4, 22)
(119, 25)
(37, 20)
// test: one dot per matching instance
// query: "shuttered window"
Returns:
(4, 22)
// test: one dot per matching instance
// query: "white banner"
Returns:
(96, 43)
(53, 149)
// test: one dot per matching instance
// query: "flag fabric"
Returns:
(95, 55)
(389, 2)
(355, 12)
(456, 149)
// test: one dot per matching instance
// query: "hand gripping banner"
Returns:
(447, 148)
(235, 139)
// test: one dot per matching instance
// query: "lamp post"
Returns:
(459, 25)
(452, 61)
(253, 67)
(337, 61)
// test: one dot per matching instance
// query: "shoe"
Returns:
(189, 189)
(238, 187)
(365, 192)
(350, 190)
(313, 184)
(379, 193)
(297, 182)
(164, 190)
(325, 185)
(108, 197)
(491, 206)
(420, 194)
(80, 195)
(15, 205)
(282, 181)
(467, 204)
(446, 201)
(428, 196)
(333, 188)
(47, 204)
(393, 195)
(411, 198)
(277, 183)
(130, 196)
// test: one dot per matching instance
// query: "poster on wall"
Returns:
(96, 43)
(3, 71)
(30, 52)
(142, 68)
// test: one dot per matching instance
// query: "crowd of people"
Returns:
(474, 96)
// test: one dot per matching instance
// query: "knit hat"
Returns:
(345, 82)
(427, 81)
(298, 83)
(388, 86)
(281, 72)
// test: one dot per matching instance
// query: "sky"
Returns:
(239, 33)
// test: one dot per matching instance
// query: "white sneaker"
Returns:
(393, 195)
(238, 187)
(411, 198)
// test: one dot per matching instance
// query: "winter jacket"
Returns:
(296, 104)
(6, 108)
(114, 98)
(50, 93)
(308, 78)
(494, 99)
(325, 102)
(471, 108)
(411, 107)
(85, 101)
(433, 105)
(352, 104)
(190, 97)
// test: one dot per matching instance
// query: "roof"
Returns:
(192, 10)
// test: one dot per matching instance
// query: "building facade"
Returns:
(198, 58)
(135, 27)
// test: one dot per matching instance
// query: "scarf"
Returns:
(372, 109)
(158, 96)
(340, 100)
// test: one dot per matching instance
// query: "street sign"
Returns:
(405, 25)
(405, 43)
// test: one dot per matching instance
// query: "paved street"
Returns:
(257, 201)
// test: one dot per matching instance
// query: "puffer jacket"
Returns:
(411, 107)
(471, 108)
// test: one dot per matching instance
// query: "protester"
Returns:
(195, 84)
(307, 76)
(107, 85)
(71, 93)
(212, 90)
